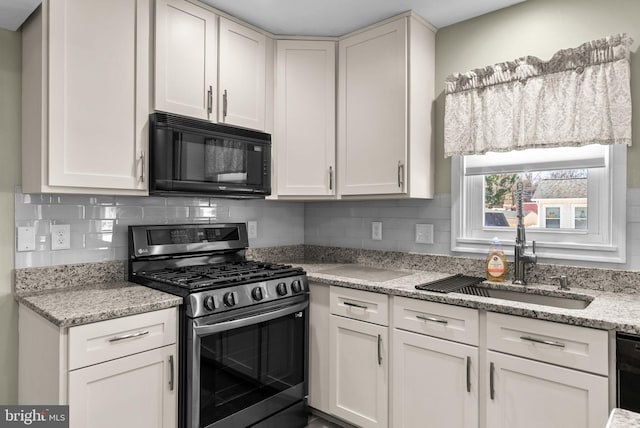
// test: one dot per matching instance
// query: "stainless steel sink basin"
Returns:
(529, 296)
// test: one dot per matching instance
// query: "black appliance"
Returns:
(193, 156)
(243, 325)
(628, 371)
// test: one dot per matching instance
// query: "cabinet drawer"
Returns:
(575, 347)
(436, 319)
(360, 305)
(105, 340)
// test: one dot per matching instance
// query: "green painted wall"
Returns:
(10, 89)
(539, 28)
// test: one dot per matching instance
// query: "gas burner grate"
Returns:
(216, 275)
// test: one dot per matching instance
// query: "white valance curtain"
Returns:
(581, 96)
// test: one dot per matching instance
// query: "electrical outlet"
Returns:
(376, 230)
(424, 233)
(26, 238)
(252, 229)
(60, 236)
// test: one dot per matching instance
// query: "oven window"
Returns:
(242, 367)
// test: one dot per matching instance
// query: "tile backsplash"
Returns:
(99, 223)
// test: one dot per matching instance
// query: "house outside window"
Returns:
(561, 186)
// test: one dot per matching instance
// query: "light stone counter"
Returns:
(607, 311)
(69, 295)
(66, 307)
(621, 418)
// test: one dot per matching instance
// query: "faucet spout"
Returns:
(521, 258)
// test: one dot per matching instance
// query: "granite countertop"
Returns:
(621, 418)
(70, 306)
(607, 311)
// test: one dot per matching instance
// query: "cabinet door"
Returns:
(358, 370)
(372, 105)
(186, 59)
(98, 93)
(242, 83)
(529, 394)
(435, 382)
(305, 117)
(137, 391)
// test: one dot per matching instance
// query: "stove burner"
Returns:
(218, 275)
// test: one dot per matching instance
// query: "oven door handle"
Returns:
(217, 327)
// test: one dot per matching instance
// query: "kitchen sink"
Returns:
(529, 296)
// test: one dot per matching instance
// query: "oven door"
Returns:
(247, 366)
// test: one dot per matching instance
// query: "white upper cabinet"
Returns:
(242, 75)
(385, 96)
(304, 138)
(86, 97)
(186, 59)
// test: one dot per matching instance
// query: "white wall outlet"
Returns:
(424, 233)
(376, 230)
(26, 238)
(60, 236)
(252, 229)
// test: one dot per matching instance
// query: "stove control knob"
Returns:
(257, 293)
(281, 289)
(230, 299)
(296, 286)
(211, 303)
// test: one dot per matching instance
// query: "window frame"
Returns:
(604, 240)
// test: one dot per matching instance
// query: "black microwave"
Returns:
(196, 157)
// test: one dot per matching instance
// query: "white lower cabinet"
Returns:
(544, 374)
(137, 391)
(435, 381)
(358, 360)
(529, 394)
(116, 373)
(421, 364)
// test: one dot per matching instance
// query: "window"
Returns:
(573, 200)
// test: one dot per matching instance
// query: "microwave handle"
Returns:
(217, 327)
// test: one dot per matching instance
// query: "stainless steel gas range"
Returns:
(243, 325)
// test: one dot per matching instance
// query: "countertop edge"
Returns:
(115, 305)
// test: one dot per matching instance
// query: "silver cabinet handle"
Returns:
(330, 178)
(142, 167)
(224, 105)
(379, 350)
(400, 174)
(171, 373)
(355, 305)
(492, 391)
(210, 100)
(468, 374)
(545, 342)
(438, 320)
(129, 336)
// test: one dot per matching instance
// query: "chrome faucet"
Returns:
(521, 258)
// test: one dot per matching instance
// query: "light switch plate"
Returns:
(60, 236)
(424, 233)
(26, 238)
(252, 229)
(376, 230)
